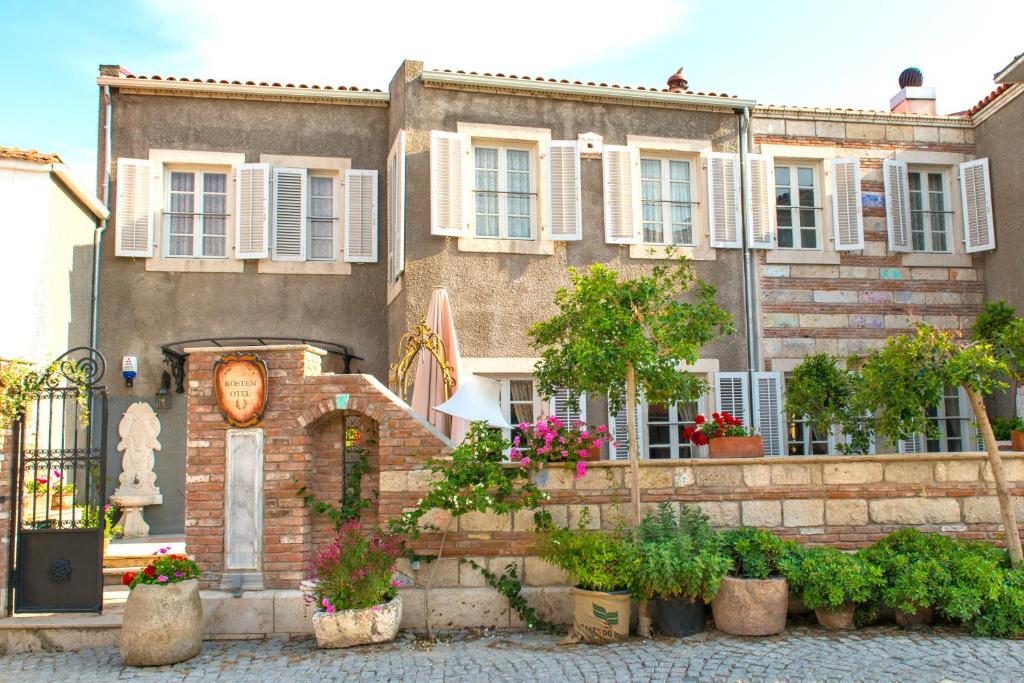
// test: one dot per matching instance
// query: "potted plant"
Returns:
(62, 495)
(725, 437)
(681, 565)
(550, 440)
(915, 571)
(34, 499)
(834, 583)
(602, 567)
(753, 599)
(163, 617)
(354, 589)
(1012, 430)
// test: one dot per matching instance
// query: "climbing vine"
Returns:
(509, 585)
(21, 383)
(352, 502)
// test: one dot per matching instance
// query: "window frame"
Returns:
(198, 197)
(793, 165)
(502, 148)
(923, 171)
(335, 219)
(941, 419)
(505, 399)
(675, 444)
(665, 161)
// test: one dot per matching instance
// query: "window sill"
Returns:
(939, 260)
(801, 256)
(163, 264)
(338, 267)
(657, 252)
(500, 246)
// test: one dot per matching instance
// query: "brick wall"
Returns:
(8, 497)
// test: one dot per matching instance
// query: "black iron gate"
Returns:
(60, 474)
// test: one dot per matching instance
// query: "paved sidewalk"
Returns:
(801, 654)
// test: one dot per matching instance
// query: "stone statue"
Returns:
(138, 429)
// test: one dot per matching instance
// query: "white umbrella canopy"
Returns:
(478, 399)
(428, 386)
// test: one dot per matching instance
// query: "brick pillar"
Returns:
(8, 499)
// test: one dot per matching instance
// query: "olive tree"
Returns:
(616, 336)
(826, 393)
(906, 377)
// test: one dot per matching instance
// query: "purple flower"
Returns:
(162, 578)
(178, 575)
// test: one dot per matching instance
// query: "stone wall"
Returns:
(8, 496)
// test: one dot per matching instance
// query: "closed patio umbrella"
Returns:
(428, 387)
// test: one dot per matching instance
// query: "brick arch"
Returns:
(324, 408)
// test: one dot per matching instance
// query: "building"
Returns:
(271, 211)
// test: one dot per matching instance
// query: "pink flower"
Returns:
(584, 434)
(325, 602)
(161, 579)
(581, 469)
(525, 462)
(514, 454)
(376, 608)
(395, 583)
(602, 428)
(330, 609)
(583, 453)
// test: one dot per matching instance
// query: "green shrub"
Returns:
(914, 567)
(594, 560)
(1002, 426)
(755, 553)
(832, 579)
(679, 556)
(1002, 616)
(976, 572)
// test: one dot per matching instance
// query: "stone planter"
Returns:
(679, 617)
(351, 627)
(837, 620)
(1017, 440)
(162, 624)
(736, 447)
(751, 607)
(922, 617)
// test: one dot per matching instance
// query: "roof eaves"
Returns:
(263, 88)
(1012, 72)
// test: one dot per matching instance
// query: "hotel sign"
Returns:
(240, 384)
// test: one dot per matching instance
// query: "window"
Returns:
(665, 425)
(196, 214)
(666, 198)
(804, 439)
(519, 402)
(952, 418)
(797, 207)
(503, 192)
(929, 227)
(322, 219)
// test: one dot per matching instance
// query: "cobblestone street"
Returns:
(879, 654)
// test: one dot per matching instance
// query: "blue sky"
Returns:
(846, 54)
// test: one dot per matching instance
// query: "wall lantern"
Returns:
(163, 394)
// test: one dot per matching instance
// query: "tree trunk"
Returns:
(634, 442)
(1002, 488)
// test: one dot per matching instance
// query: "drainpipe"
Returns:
(749, 290)
(104, 193)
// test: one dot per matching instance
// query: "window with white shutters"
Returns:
(289, 214)
(133, 218)
(621, 168)
(447, 152)
(897, 205)
(847, 216)
(732, 396)
(929, 211)
(195, 214)
(976, 194)
(569, 412)
(798, 205)
(361, 216)
(915, 444)
(564, 206)
(322, 218)
(663, 427)
(724, 199)
(769, 414)
(252, 211)
(667, 201)
(504, 196)
(396, 209)
(760, 202)
(618, 449)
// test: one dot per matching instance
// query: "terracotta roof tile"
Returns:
(29, 155)
(984, 102)
(264, 84)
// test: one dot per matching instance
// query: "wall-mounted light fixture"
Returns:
(163, 394)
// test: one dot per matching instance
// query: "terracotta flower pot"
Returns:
(64, 500)
(751, 607)
(837, 620)
(922, 617)
(351, 627)
(1017, 440)
(736, 447)
(162, 624)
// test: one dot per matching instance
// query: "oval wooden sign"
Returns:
(240, 384)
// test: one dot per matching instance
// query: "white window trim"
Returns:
(665, 160)
(818, 170)
(703, 402)
(336, 202)
(333, 166)
(221, 162)
(536, 140)
(501, 150)
(198, 212)
(948, 173)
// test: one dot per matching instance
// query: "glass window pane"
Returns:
(935, 182)
(662, 453)
(182, 203)
(320, 186)
(215, 182)
(786, 238)
(213, 246)
(658, 433)
(805, 176)
(679, 170)
(915, 181)
(650, 190)
(809, 239)
(782, 175)
(806, 197)
(214, 203)
(657, 413)
(784, 217)
(807, 217)
(650, 168)
(680, 191)
(182, 182)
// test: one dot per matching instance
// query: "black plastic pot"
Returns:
(680, 617)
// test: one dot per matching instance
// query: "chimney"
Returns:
(912, 97)
(676, 82)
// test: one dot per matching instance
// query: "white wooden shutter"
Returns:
(621, 167)
(769, 413)
(897, 205)
(915, 444)
(447, 192)
(360, 216)
(564, 207)
(731, 395)
(133, 222)
(252, 211)
(618, 449)
(561, 407)
(724, 199)
(847, 216)
(761, 201)
(976, 194)
(396, 209)
(290, 214)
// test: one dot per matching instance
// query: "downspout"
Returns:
(749, 292)
(104, 194)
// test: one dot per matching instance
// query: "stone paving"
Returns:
(801, 654)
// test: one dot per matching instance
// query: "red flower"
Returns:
(700, 419)
(127, 579)
(688, 433)
(149, 571)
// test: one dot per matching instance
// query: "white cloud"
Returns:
(348, 43)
